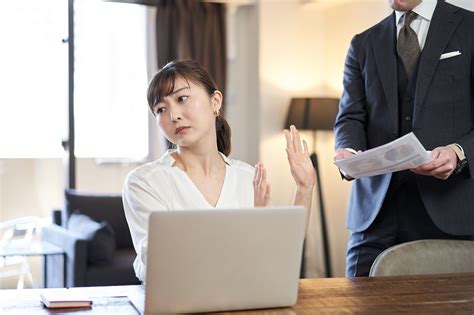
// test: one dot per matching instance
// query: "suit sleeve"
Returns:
(467, 141)
(351, 120)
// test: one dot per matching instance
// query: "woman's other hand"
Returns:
(301, 166)
(261, 188)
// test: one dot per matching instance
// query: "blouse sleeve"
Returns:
(139, 199)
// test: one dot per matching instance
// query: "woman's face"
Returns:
(186, 116)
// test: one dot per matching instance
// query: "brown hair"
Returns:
(163, 83)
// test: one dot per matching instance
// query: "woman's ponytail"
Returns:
(223, 134)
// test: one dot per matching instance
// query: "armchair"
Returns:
(425, 257)
(82, 267)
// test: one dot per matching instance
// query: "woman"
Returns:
(198, 173)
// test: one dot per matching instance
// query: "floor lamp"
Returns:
(315, 114)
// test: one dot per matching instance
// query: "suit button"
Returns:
(407, 118)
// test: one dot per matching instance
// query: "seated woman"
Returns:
(198, 174)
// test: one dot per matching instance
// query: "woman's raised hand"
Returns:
(301, 166)
(261, 188)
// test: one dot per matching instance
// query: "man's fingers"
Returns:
(438, 162)
(435, 154)
(442, 172)
(342, 154)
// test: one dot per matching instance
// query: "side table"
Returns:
(36, 248)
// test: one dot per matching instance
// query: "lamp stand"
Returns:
(324, 232)
(314, 113)
(322, 215)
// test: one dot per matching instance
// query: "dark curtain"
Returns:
(191, 29)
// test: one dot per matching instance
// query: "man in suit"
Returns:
(412, 72)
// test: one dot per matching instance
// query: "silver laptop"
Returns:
(220, 260)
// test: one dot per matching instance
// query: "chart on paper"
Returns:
(401, 154)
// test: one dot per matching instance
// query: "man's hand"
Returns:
(342, 154)
(443, 163)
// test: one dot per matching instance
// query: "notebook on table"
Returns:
(64, 299)
(220, 260)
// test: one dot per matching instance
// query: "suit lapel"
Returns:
(442, 26)
(386, 61)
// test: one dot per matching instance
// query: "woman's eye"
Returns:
(159, 110)
(182, 98)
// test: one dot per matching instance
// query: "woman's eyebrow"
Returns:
(180, 89)
(172, 93)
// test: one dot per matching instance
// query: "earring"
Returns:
(216, 112)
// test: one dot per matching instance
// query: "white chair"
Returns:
(17, 235)
(425, 257)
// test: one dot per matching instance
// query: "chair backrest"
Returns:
(100, 207)
(17, 235)
(425, 257)
(18, 232)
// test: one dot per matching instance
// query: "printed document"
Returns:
(401, 154)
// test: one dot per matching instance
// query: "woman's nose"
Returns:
(175, 113)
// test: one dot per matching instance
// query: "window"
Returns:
(110, 79)
(33, 78)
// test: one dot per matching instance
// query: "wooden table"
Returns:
(429, 294)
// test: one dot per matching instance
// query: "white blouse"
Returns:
(159, 186)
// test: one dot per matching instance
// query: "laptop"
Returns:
(222, 260)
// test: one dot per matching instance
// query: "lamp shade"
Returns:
(312, 113)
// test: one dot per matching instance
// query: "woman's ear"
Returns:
(216, 99)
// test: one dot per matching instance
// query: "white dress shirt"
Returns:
(422, 22)
(160, 186)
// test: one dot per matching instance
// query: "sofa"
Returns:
(93, 232)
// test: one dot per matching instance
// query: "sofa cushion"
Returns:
(101, 207)
(119, 272)
(100, 237)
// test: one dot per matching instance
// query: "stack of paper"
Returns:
(404, 153)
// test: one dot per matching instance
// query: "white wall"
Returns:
(242, 93)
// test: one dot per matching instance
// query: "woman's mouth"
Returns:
(180, 130)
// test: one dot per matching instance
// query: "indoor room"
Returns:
(75, 122)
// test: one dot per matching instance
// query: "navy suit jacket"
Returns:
(443, 113)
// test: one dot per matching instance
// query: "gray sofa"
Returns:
(86, 264)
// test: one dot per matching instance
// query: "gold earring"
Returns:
(216, 112)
